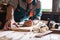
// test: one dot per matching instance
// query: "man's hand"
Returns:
(28, 23)
(16, 25)
(7, 25)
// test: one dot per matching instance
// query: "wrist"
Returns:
(7, 20)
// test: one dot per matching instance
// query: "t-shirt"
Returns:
(25, 10)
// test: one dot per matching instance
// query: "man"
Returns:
(29, 9)
(26, 9)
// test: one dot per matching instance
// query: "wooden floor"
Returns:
(14, 35)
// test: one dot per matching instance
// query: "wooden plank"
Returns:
(43, 34)
(14, 35)
(56, 31)
(21, 30)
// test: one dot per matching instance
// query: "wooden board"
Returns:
(43, 34)
(14, 35)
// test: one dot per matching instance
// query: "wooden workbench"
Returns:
(26, 34)
(15, 35)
